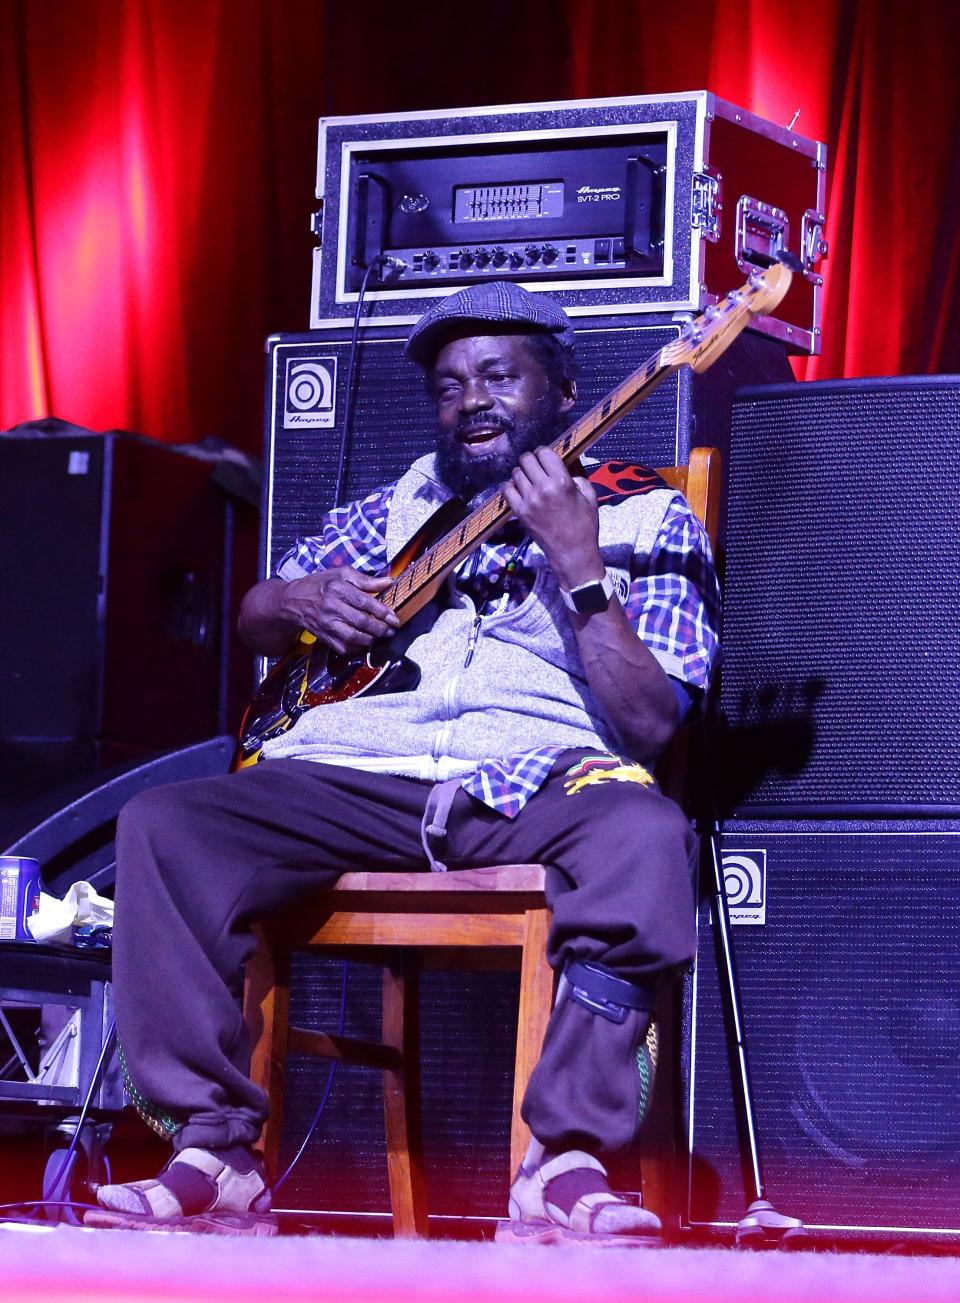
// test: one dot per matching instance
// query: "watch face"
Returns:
(589, 598)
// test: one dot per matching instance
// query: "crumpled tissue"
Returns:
(80, 907)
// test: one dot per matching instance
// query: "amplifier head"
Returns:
(641, 204)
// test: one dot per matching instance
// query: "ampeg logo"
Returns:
(745, 878)
(597, 194)
(309, 393)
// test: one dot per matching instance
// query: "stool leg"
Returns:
(401, 1099)
(266, 1007)
(536, 1002)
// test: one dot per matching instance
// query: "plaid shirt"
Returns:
(673, 604)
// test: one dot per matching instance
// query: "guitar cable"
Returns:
(328, 1089)
(381, 260)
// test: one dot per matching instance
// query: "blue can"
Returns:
(19, 895)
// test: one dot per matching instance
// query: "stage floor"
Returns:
(71, 1265)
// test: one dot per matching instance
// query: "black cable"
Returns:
(375, 265)
(107, 1049)
(329, 1086)
(44, 1203)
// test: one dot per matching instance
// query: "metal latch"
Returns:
(813, 246)
(763, 233)
(707, 205)
(316, 224)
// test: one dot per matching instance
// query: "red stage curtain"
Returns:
(157, 168)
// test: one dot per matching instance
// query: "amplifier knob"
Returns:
(532, 255)
(516, 258)
(466, 258)
(483, 257)
(550, 254)
(431, 260)
(499, 257)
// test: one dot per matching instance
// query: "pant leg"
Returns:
(619, 859)
(197, 862)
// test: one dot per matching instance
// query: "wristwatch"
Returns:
(590, 597)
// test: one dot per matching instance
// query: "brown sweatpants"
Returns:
(198, 861)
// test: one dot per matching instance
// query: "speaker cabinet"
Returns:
(847, 960)
(394, 421)
(111, 561)
(841, 683)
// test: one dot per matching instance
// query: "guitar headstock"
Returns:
(706, 337)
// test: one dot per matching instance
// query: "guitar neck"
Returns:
(700, 344)
(430, 568)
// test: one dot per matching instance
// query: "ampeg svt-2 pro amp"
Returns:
(647, 204)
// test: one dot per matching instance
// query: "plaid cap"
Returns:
(499, 302)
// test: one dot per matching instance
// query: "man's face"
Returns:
(494, 402)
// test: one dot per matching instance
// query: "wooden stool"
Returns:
(488, 918)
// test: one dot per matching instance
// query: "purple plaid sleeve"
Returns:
(674, 604)
(353, 535)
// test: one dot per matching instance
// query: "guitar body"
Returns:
(311, 675)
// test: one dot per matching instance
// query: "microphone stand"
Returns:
(761, 1225)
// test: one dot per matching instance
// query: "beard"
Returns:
(467, 474)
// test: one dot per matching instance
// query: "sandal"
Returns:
(567, 1200)
(197, 1191)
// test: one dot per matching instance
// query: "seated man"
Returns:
(565, 650)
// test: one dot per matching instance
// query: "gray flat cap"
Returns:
(488, 302)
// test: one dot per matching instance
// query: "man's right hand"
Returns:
(340, 607)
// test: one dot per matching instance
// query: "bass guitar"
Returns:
(309, 675)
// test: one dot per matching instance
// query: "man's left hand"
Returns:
(560, 513)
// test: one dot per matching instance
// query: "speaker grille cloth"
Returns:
(842, 607)
(852, 1022)
(468, 1032)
